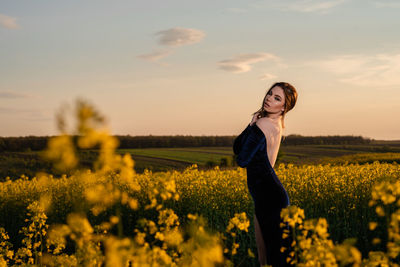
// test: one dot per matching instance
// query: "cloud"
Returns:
(304, 6)
(180, 36)
(8, 22)
(364, 70)
(268, 76)
(8, 94)
(242, 62)
(174, 37)
(155, 56)
(343, 64)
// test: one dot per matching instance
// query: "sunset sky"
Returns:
(201, 67)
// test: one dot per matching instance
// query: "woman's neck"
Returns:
(275, 119)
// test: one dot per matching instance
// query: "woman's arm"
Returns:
(250, 146)
(239, 140)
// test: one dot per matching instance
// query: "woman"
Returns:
(256, 149)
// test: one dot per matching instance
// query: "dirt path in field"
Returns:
(199, 151)
(163, 161)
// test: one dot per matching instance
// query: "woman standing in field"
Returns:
(256, 149)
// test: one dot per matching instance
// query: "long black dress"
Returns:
(267, 191)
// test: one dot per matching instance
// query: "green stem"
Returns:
(41, 248)
(36, 254)
(119, 226)
(295, 239)
(387, 217)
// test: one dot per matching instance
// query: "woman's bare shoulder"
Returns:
(267, 126)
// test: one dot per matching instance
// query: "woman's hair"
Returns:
(290, 100)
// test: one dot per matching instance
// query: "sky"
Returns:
(201, 67)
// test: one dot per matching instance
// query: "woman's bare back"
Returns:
(273, 134)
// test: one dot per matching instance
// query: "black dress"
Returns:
(267, 191)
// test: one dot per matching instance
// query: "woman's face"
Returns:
(274, 101)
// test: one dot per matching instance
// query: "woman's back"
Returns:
(273, 134)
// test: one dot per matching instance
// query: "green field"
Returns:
(13, 164)
(168, 158)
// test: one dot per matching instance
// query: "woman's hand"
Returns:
(255, 118)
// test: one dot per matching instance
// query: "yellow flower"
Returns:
(133, 204)
(159, 236)
(372, 225)
(379, 210)
(114, 219)
(376, 241)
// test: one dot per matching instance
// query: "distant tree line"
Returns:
(325, 140)
(37, 143)
(24, 143)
